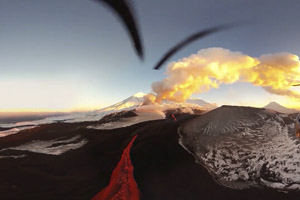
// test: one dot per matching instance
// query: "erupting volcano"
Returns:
(199, 131)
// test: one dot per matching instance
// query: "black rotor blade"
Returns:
(124, 12)
(187, 41)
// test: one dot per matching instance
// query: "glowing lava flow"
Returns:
(174, 118)
(122, 184)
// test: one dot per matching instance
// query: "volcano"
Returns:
(279, 108)
(228, 152)
(106, 117)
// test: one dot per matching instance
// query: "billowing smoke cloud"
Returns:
(211, 67)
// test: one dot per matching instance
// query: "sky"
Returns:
(64, 55)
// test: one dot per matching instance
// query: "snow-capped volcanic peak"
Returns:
(139, 95)
(279, 108)
(133, 103)
(149, 111)
(138, 99)
(130, 103)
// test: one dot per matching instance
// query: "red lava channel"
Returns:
(122, 185)
(174, 118)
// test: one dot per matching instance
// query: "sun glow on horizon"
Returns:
(81, 108)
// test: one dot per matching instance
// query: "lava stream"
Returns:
(174, 118)
(122, 185)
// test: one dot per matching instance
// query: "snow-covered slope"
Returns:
(134, 102)
(51, 147)
(279, 108)
(130, 103)
(245, 147)
(128, 121)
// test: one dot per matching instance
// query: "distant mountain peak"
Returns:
(275, 103)
(279, 108)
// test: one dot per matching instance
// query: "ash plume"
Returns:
(209, 68)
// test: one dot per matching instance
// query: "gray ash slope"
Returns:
(246, 147)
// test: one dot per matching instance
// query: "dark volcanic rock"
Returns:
(162, 168)
(117, 116)
(4, 129)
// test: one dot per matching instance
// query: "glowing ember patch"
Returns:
(122, 184)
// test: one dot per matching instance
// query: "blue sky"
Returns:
(75, 54)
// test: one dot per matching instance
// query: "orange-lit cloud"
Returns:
(211, 67)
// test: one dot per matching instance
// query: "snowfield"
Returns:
(50, 147)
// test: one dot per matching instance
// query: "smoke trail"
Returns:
(211, 67)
